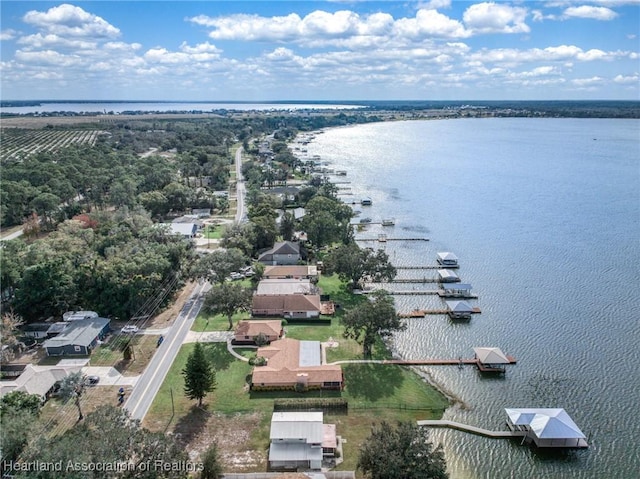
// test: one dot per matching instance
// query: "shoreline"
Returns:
(453, 398)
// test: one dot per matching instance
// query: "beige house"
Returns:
(294, 364)
(293, 271)
(287, 306)
(247, 330)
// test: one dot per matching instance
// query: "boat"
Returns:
(366, 202)
(388, 222)
(365, 220)
(341, 173)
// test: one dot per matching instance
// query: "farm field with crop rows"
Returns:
(19, 143)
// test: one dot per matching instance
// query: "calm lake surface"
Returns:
(544, 215)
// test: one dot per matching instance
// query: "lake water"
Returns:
(120, 107)
(544, 215)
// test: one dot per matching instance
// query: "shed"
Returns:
(79, 338)
(447, 276)
(547, 427)
(36, 330)
(186, 230)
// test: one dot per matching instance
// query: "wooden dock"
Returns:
(421, 313)
(391, 239)
(430, 266)
(420, 362)
(471, 429)
(443, 294)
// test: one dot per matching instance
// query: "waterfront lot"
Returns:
(239, 419)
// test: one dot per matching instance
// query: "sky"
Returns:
(329, 50)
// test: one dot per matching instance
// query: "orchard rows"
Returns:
(18, 144)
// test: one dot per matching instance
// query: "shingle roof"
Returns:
(269, 327)
(293, 302)
(283, 366)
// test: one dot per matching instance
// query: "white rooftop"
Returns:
(491, 356)
(546, 423)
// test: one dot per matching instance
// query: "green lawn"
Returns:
(214, 232)
(375, 392)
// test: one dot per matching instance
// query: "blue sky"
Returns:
(307, 50)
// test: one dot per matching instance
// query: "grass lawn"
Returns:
(214, 232)
(375, 392)
(110, 353)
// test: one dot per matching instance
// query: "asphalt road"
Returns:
(240, 188)
(148, 385)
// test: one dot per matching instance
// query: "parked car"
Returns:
(92, 380)
(130, 329)
(236, 276)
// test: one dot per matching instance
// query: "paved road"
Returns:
(150, 381)
(241, 214)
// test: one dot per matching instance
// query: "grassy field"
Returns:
(375, 392)
(239, 420)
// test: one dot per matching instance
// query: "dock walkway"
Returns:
(471, 429)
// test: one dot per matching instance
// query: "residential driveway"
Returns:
(209, 337)
(72, 363)
(110, 376)
(154, 331)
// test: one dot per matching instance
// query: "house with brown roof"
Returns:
(294, 364)
(247, 330)
(305, 306)
(292, 271)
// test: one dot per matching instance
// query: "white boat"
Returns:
(388, 222)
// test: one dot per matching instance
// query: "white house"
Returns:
(297, 440)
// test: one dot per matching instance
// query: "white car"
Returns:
(129, 328)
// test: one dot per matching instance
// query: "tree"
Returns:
(18, 427)
(20, 401)
(72, 387)
(10, 322)
(372, 319)
(216, 266)
(287, 226)
(211, 467)
(227, 299)
(354, 264)
(199, 375)
(404, 451)
(109, 436)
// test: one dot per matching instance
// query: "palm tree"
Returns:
(72, 387)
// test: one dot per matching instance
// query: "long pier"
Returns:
(431, 266)
(421, 313)
(471, 429)
(420, 362)
(391, 239)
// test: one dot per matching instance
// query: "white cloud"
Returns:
(588, 11)
(200, 48)
(69, 20)
(46, 57)
(627, 80)
(429, 23)
(586, 82)
(8, 34)
(491, 17)
(52, 40)
(434, 4)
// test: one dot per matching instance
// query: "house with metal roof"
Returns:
(547, 427)
(285, 286)
(300, 440)
(296, 365)
(186, 230)
(79, 338)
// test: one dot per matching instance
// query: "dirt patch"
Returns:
(235, 436)
(168, 316)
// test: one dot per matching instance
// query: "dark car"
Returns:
(92, 380)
